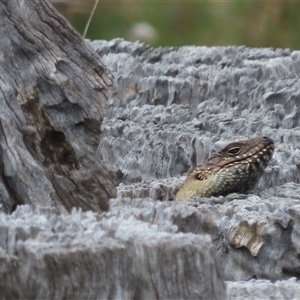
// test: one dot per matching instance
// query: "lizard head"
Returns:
(235, 168)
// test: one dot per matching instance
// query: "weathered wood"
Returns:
(53, 98)
(85, 255)
(184, 104)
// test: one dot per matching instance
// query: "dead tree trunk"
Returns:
(52, 96)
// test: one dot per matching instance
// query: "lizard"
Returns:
(235, 168)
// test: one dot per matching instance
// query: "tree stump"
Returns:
(53, 99)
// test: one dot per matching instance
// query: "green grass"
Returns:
(254, 24)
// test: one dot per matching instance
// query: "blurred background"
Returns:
(177, 23)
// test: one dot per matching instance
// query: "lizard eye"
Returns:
(234, 150)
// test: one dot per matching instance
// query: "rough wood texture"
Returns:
(53, 99)
(263, 289)
(116, 255)
(172, 108)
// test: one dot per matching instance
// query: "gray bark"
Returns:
(53, 99)
(116, 255)
(172, 108)
(263, 289)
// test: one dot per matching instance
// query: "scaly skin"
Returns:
(236, 168)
